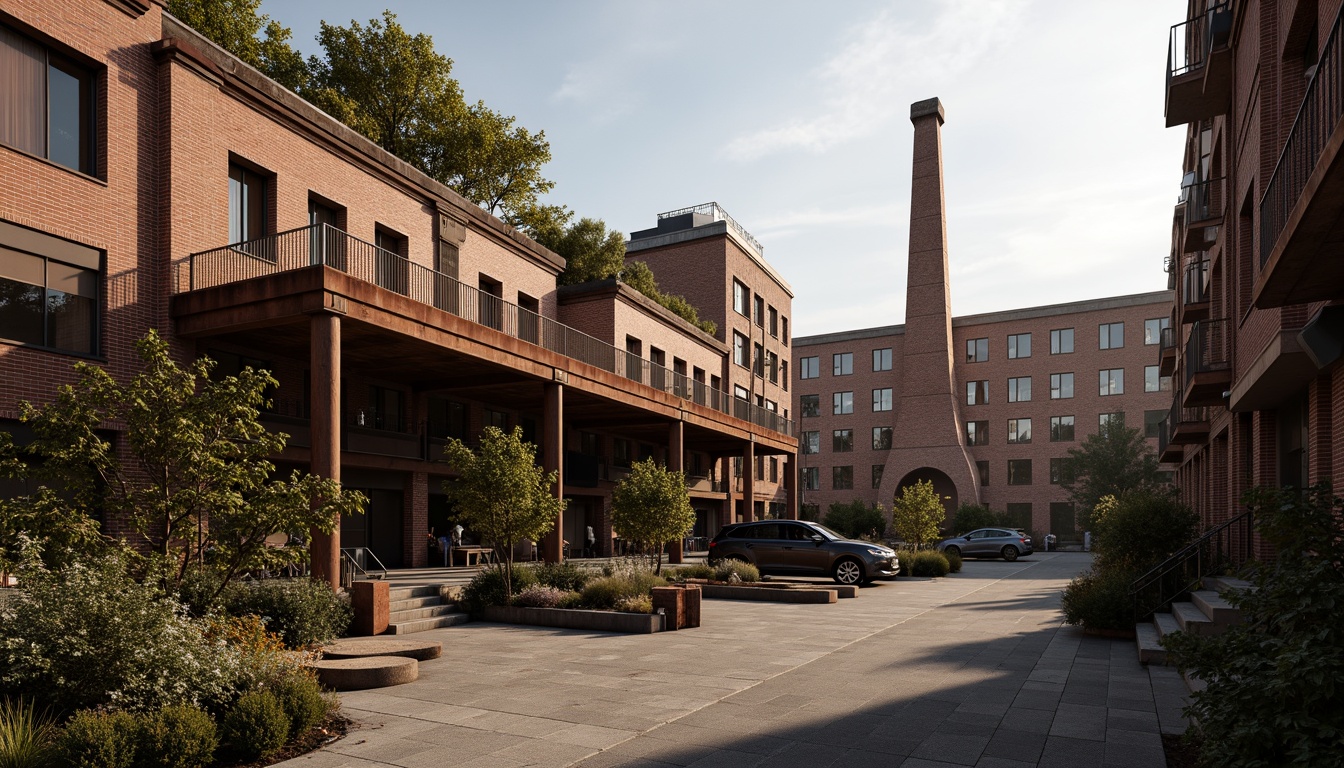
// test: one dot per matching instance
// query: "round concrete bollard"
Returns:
(353, 648)
(366, 672)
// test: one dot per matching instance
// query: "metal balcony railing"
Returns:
(1320, 113)
(1207, 348)
(1204, 200)
(1195, 282)
(1178, 416)
(1167, 339)
(716, 212)
(1193, 39)
(325, 245)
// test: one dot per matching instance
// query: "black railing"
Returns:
(1167, 340)
(1192, 40)
(1321, 109)
(325, 245)
(1204, 200)
(1178, 416)
(1206, 349)
(1195, 282)
(1223, 548)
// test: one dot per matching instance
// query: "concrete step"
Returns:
(1222, 584)
(1215, 607)
(1192, 620)
(426, 612)
(1165, 624)
(1150, 650)
(406, 593)
(420, 625)
(413, 602)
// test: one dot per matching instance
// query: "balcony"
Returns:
(1207, 363)
(1187, 426)
(1301, 227)
(1195, 292)
(288, 259)
(1199, 67)
(1204, 206)
(1166, 360)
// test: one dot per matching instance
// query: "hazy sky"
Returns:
(794, 116)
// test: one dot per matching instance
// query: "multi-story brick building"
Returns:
(1255, 345)
(987, 406)
(148, 179)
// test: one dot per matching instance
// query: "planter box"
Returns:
(570, 618)
(680, 605)
(769, 594)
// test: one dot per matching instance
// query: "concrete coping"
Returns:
(366, 672)
(928, 107)
(353, 648)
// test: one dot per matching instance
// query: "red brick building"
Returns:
(148, 179)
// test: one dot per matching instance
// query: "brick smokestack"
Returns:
(929, 437)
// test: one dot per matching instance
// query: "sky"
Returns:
(1060, 178)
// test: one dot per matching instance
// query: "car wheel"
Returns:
(951, 550)
(1010, 553)
(848, 571)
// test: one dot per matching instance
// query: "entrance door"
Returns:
(379, 529)
(1063, 521)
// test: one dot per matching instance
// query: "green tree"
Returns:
(972, 516)
(197, 479)
(501, 493)
(238, 27)
(1110, 462)
(652, 506)
(591, 251)
(1140, 529)
(856, 518)
(916, 513)
(487, 158)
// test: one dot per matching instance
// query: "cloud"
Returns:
(869, 80)
(788, 223)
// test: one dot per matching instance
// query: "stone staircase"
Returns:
(1205, 613)
(416, 609)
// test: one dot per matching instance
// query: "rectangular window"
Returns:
(977, 350)
(877, 475)
(1019, 345)
(784, 375)
(842, 403)
(784, 330)
(882, 399)
(982, 469)
(1152, 330)
(739, 349)
(881, 438)
(1019, 514)
(809, 368)
(1112, 335)
(741, 298)
(1112, 381)
(842, 478)
(1117, 417)
(47, 106)
(882, 359)
(1061, 386)
(1019, 471)
(1019, 430)
(811, 442)
(1152, 422)
(811, 478)
(1061, 471)
(811, 405)
(247, 205)
(1061, 341)
(1152, 379)
(977, 433)
(977, 392)
(760, 311)
(1019, 389)
(774, 322)
(842, 364)
(1061, 429)
(620, 453)
(842, 440)
(50, 303)
(758, 360)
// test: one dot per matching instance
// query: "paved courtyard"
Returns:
(976, 669)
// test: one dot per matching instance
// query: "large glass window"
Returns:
(740, 298)
(1154, 381)
(247, 204)
(811, 405)
(882, 399)
(811, 442)
(877, 475)
(1019, 389)
(842, 403)
(46, 103)
(1019, 430)
(882, 359)
(842, 478)
(1019, 471)
(1152, 422)
(977, 350)
(842, 440)
(811, 478)
(977, 392)
(1061, 429)
(739, 349)
(1112, 381)
(809, 368)
(881, 438)
(1019, 345)
(1061, 471)
(48, 303)
(1111, 335)
(977, 433)
(842, 364)
(1061, 386)
(1152, 330)
(1061, 341)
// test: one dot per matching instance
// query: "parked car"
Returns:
(800, 548)
(989, 542)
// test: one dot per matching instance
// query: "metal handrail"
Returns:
(1167, 339)
(1192, 40)
(1178, 416)
(1206, 349)
(326, 245)
(359, 557)
(1229, 543)
(1195, 282)
(1321, 110)
(1204, 200)
(715, 211)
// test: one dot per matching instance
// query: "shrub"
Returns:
(263, 658)
(1140, 529)
(571, 600)
(25, 735)
(953, 561)
(199, 592)
(695, 571)
(302, 611)
(301, 698)
(91, 636)
(745, 571)
(538, 596)
(635, 604)
(607, 592)
(566, 576)
(855, 519)
(255, 727)
(972, 516)
(1099, 599)
(487, 588)
(176, 737)
(923, 562)
(99, 740)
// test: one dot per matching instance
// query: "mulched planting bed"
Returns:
(1180, 753)
(334, 727)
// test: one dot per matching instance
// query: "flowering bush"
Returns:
(301, 611)
(635, 604)
(537, 596)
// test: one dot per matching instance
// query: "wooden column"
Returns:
(552, 460)
(790, 487)
(749, 482)
(676, 453)
(324, 400)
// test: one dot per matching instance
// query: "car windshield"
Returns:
(827, 532)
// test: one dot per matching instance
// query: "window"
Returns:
(982, 470)
(1061, 471)
(977, 350)
(740, 298)
(1019, 471)
(809, 368)
(811, 442)
(811, 405)
(1104, 419)
(739, 349)
(842, 364)
(784, 330)
(784, 375)
(882, 359)
(48, 103)
(48, 302)
(497, 419)
(247, 205)
(1061, 386)
(1061, 429)
(877, 475)
(881, 438)
(1019, 390)
(1019, 513)
(620, 455)
(842, 403)
(774, 470)
(842, 478)
(977, 392)
(1112, 335)
(1152, 422)
(1153, 381)
(1019, 345)
(1061, 341)
(1112, 381)
(842, 440)
(1152, 330)
(758, 360)
(977, 433)
(760, 311)
(882, 399)
(811, 478)
(1019, 430)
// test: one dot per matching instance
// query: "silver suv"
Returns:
(989, 542)
(800, 548)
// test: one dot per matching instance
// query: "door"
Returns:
(801, 553)
(766, 547)
(327, 242)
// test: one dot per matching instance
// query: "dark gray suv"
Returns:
(799, 548)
